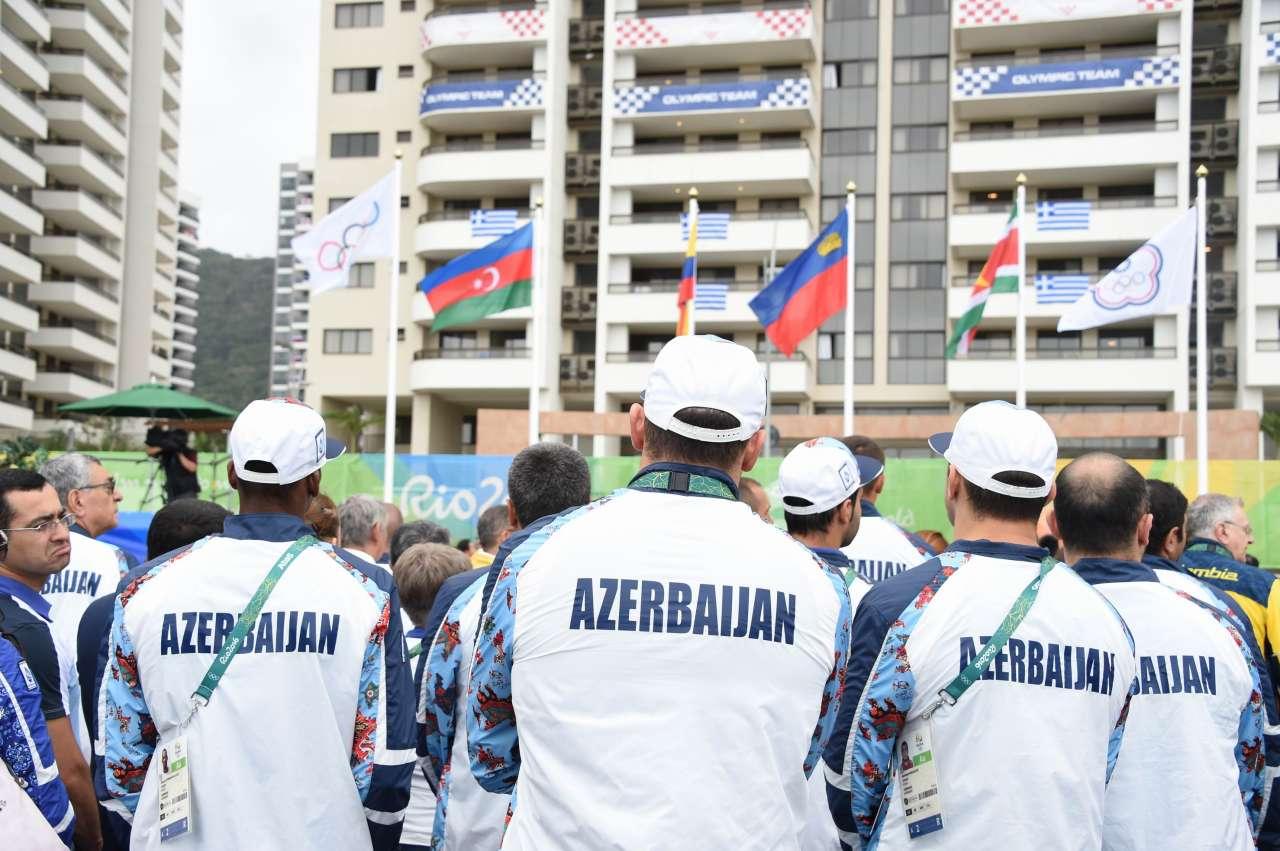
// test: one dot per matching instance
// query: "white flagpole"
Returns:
(1020, 393)
(850, 196)
(535, 325)
(1202, 351)
(693, 224)
(771, 269)
(393, 347)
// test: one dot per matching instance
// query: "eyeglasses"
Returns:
(47, 526)
(109, 484)
(1247, 529)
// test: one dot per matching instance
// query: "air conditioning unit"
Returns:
(584, 102)
(1220, 216)
(586, 35)
(1222, 293)
(1222, 367)
(582, 170)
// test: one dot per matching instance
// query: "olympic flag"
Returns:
(361, 229)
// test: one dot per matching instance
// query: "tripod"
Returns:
(151, 483)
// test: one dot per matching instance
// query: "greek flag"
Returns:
(1060, 289)
(710, 226)
(486, 223)
(711, 295)
(1063, 215)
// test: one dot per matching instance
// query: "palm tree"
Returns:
(351, 423)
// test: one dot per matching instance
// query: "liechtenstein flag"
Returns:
(808, 291)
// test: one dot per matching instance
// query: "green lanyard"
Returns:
(979, 664)
(679, 482)
(218, 668)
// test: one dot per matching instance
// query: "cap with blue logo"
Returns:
(284, 435)
(820, 474)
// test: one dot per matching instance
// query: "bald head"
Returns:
(1101, 508)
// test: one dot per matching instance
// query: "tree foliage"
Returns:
(233, 328)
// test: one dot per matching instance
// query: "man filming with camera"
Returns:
(177, 460)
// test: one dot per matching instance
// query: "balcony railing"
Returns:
(478, 8)
(78, 99)
(1125, 202)
(709, 145)
(478, 145)
(483, 76)
(74, 369)
(87, 284)
(1267, 346)
(461, 215)
(671, 285)
(773, 356)
(1269, 185)
(719, 8)
(67, 51)
(736, 215)
(1137, 51)
(1268, 264)
(1094, 353)
(1066, 130)
(18, 401)
(678, 79)
(498, 353)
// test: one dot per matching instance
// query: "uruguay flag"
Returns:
(808, 292)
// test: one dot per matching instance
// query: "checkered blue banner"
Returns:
(981, 80)
(1270, 49)
(699, 97)
(481, 94)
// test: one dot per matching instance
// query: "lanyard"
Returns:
(979, 664)
(200, 697)
(681, 482)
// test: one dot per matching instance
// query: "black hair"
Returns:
(546, 479)
(464, 544)
(22, 481)
(1168, 507)
(264, 491)
(663, 445)
(810, 524)
(998, 506)
(860, 444)
(183, 522)
(1100, 501)
(417, 532)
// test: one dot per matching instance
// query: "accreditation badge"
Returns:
(918, 779)
(175, 788)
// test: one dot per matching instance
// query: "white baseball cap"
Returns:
(284, 433)
(996, 437)
(705, 371)
(823, 473)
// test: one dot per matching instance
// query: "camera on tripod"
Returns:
(177, 460)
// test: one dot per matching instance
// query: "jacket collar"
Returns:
(80, 530)
(869, 508)
(265, 527)
(999, 549)
(1209, 545)
(1096, 571)
(11, 587)
(835, 558)
(1161, 563)
(692, 470)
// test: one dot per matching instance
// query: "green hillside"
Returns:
(233, 328)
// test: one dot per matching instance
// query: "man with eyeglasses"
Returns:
(88, 493)
(34, 545)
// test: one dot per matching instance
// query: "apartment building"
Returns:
(89, 94)
(291, 294)
(186, 293)
(932, 107)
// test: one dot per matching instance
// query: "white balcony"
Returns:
(1116, 226)
(79, 29)
(677, 40)
(166, 247)
(500, 105)
(19, 116)
(17, 365)
(504, 38)
(77, 256)
(982, 25)
(78, 120)
(1266, 206)
(181, 310)
(171, 92)
(76, 164)
(161, 327)
(172, 52)
(180, 345)
(1113, 153)
(183, 363)
(67, 386)
(1265, 284)
(17, 216)
(442, 238)
(645, 303)
(74, 210)
(1267, 127)
(160, 368)
(163, 285)
(78, 74)
(750, 237)
(25, 19)
(186, 275)
(627, 373)
(1089, 374)
(500, 172)
(18, 267)
(19, 168)
(663, 105)
(470, 369)
(112, 12)
(1262, 367)
(76, 300)
(16, 316)
(19, 65)
(757, 170)
(185, 255)
(16, 417)
(168, 166)
(72, 344)
(169, 133)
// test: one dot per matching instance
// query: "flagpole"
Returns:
(850, 197)
(770, 271)
(1020, 334)
(393, 348)
(535, 324)
(693, 225)
(1202, 351)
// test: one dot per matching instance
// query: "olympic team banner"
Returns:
(630, 33)
(1268, 49)
(789, 93)
(481, 94)
(484, 28)
(1128, 73)
(975, 13)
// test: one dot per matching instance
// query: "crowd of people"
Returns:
(1090, 663)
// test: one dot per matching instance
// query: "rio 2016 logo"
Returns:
(1134, 282)
(423, 499)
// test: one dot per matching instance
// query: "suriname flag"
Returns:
(488, 280)
(1000, 274)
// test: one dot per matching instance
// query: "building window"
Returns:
(454, 340)
(1051, 341)
(353, 145)
(831, 358)
(348, 341)
(360, 276)
(404, 202)
(861, 140)
(920, 69)
(355, 80)
(849, 75)
(918, 206)
(404, 71)
(408, 5)
(404, 135)
(335, 203)
(907, 8)
(916, 276)
(850, 10)
(403, 267)
(916, 358)
(920, 137)
(352, 15)
(1125, 339)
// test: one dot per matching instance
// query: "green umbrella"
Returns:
(154, 401)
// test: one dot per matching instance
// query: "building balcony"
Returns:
(18, 164)
(1010, 24)
(73, 344)
(172, 52)
(76, 164)
(1110, 152)
(25, 19)
(16, 414)
(460, 106)
(1262, 367)
(654, 302)
(72, 117)
(750, 236)
(168, 167)
(73, 72)
(1265, 283)
(20, 116)
(170, 92)
(169, 133)
(1266, 204)
(503, 38)
(77, 28)
(675, 37)
(114, 13)
(187, 276)
(73, 209)
(709, 104)
(16, 312)
(167, 213)
(77, 256)
(470, 369)
(482, 168)
(77, 300)
(20, 65)
(163, 284)
(627, 373)
(753, 167)
(16, 363)
(161, 325)
(180, 344)
(185, 364)
(17, 266)
(185, 313)
(1128, 84)
(1116, 226)
(18, 216)
(69, 386)
(444, 234)
(1085, 373)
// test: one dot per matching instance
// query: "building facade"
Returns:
(89, 100)
(186, 293)
(609, 112)
(290, 295)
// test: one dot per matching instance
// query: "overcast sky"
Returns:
(248, 104)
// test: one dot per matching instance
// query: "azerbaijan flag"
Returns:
(488, 280)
